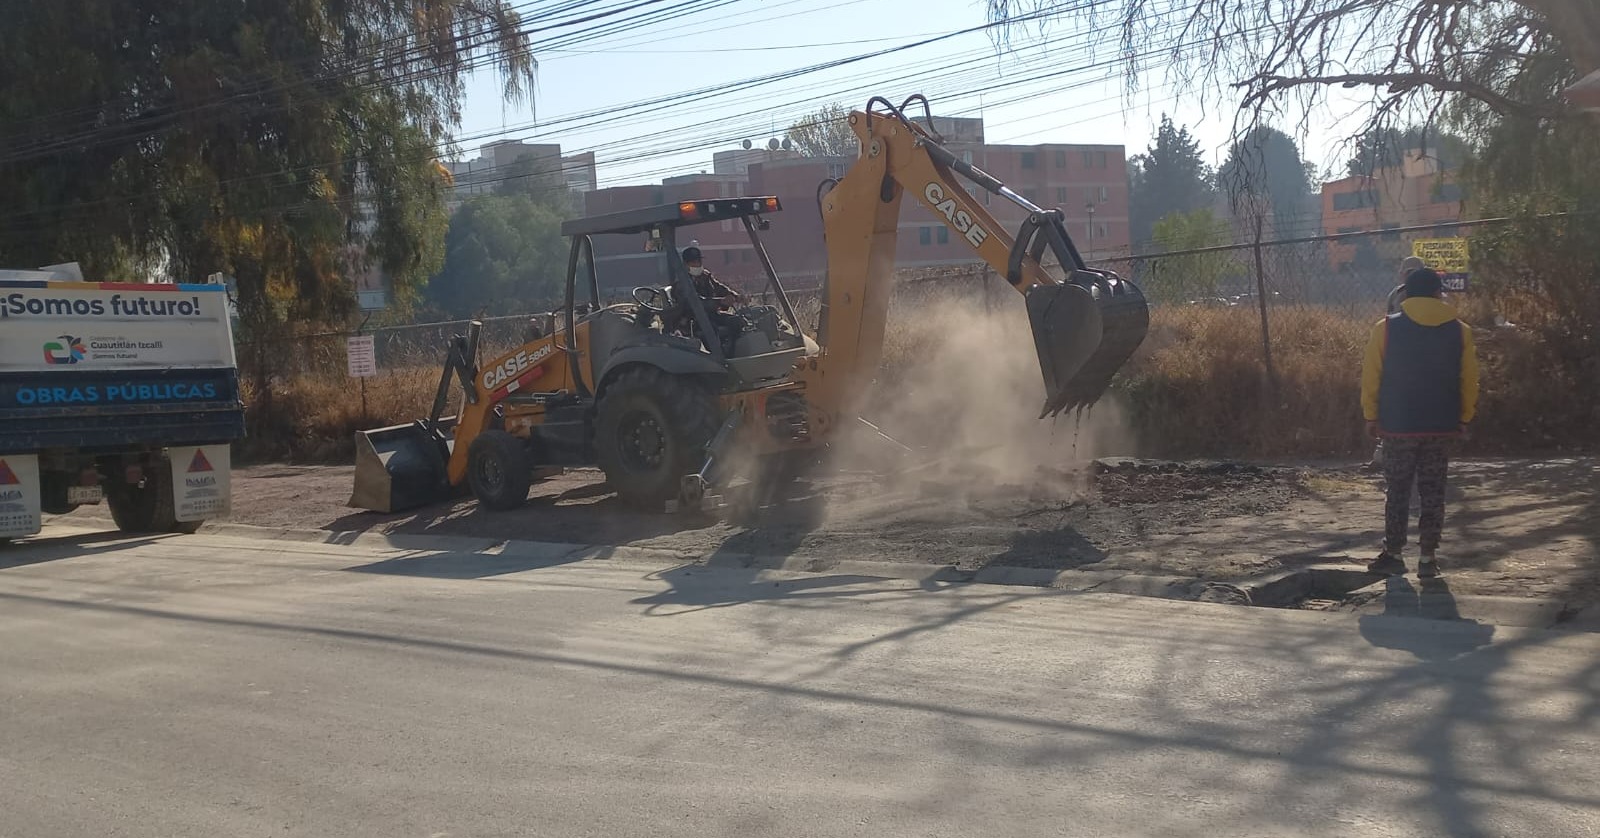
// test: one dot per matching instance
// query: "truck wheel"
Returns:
(652, 429)
(53, 494)
(147, 508)
(499, 470)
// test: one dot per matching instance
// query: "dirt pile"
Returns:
(1195, 491)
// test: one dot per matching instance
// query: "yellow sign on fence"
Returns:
(1447, 256)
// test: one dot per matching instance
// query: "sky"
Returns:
(1057, 89)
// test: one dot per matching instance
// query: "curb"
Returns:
(553, 552)
(1365, 596)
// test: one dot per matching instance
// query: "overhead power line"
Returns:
(661, 151)
(160, 119)
(646, 107)
(723, 136)
(374, 66)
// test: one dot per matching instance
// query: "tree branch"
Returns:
(1577, 23)
(1262, 87)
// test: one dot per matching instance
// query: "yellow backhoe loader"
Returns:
(664, 391)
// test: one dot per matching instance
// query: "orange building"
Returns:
(1089, 183)
(1415, 194)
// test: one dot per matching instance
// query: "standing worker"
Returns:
(1419, 393)
(1396, 297)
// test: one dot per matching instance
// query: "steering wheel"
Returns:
(647, 296)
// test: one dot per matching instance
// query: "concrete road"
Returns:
(206, 686)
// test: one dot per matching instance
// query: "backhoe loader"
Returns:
(669, 414)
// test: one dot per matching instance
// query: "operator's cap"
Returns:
(692, 254)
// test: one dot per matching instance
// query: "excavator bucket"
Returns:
(1084, 331)
(402, 466)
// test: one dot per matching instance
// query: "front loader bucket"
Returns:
(1084, 331)
(402, 466)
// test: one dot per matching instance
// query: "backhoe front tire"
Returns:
(499, 470)
(651, 429)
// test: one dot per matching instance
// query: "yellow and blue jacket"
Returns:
(1420, 374)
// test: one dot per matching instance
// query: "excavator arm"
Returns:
(1086, 323)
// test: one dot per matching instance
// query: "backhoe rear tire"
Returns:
(499, 470)
(651, 429)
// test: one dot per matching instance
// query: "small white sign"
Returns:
(19, 495)
(375, 300)
(361, 353)
(201, 486)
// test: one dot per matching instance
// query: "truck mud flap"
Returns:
(1084, 331)
(403, 466)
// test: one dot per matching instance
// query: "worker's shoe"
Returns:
(1428, 567)
(1387, 564)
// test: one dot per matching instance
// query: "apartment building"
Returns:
(1417, 193)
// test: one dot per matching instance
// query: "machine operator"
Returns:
(716, 297)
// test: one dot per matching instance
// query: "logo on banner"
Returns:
(64, 350)
(199, 463)
(7, 476)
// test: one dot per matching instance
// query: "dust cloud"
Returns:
(961, 386)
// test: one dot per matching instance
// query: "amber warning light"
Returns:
(727, 208)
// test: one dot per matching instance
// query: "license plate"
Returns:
(84, 494)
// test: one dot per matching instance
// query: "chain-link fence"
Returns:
(304, 403)
(1255, 349)
(1252, 349)
(324, 353)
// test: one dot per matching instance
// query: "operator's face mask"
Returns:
(696, 270)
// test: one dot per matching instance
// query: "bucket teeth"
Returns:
(1084, 333)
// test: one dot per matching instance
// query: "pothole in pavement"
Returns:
(1316, 588)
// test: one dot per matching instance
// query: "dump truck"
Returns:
(125, 394)
(671, 397)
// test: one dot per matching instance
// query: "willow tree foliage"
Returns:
(289, 143)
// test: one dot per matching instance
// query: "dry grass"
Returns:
(314, 418)
(1531, 402)
(958, 366)
(1198, 387)
(311, 414)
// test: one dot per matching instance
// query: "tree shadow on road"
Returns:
(696, 588)
(587, 514)
(452, 564)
